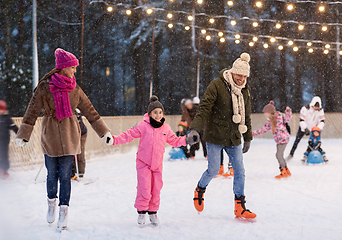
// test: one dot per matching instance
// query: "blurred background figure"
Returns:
(196, 101)
(182, 126)
(6, 124)
(81, 161)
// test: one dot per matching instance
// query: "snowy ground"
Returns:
(304, 206)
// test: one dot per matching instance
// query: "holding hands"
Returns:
(193, 137)
(108, 138)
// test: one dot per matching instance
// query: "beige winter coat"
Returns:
(59, 137)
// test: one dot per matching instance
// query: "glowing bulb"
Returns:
(211, 20)
(199, 1)
(272, 39)
(203, 31)
(278, 25)
(326, 51)
(187, 28)
(255, 39)
(230, 3)
(340, 52)
(265, 45)
(324, 28)
(300, 27)
(237, 41)
(220, 34)
(327, 46)
(190, 18)
(309, 44)
(290, 7)
(251, 44)
(208, 37)
(290, 43)
(222, 40)
(237, 36)
(128, 12)
(255, 24)
(280, 47)
(233, 22)
(169, 15)
(258, 4)
(295, 49)
(310, 50)
(110, 9)
(149, 11)
(170, 25)
(321, 8)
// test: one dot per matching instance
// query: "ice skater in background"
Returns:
(311, 115)
(6, 124)
(277, 123)
(153, 133)
(315, 144)
(182, 126)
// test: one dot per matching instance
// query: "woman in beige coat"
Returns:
(58, 95)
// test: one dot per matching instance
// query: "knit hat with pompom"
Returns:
(269, 108)
(154, 103)
(241, 65)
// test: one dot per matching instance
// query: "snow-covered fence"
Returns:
(32, 153)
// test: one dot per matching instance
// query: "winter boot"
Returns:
(141, 218)
(240, 209)
(283, 173)
(6, 175)
(288, 171)
(304, 158)
(51, 214)
(325, 159)
(198, 198)
(221, 171)
(63, 217)
(153, 218)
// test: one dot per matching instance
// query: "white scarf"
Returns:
(238, 101)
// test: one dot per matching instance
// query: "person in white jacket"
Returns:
(311, 115)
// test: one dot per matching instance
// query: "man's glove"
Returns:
(20, 142)
(307, 132)
(246, 146)
(193, 137)
(108, 138)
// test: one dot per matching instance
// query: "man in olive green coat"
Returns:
(225, 115)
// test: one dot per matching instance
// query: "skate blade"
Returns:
(245, 220)
(60, 229)
(141, 225)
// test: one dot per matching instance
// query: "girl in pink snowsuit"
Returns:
(153, 134)
(277, 123)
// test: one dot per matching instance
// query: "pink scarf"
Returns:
(60, 86)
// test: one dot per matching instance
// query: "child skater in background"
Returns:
(315, 144)
(182, 126)
(153, 133)
(277, 123)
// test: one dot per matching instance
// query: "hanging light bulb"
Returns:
(272, 39)
(169, 15)
(300, 27)
(255, 39)
(278, 26)
(309, 44)
(222, 40)
(255, 24)
(295, 49)
(170, 25)
(321, 8)
(211, 20)
(251, 44)
(199, 1)
(237, 41)
(220, 34)
(233, 22)
(230, 3)
(327, 45)
(190, 18)
(324, 28)
(265, 45)
(128, 12)
(208, 37)
(326, 51)
(187, 28)
(340, 52)
(237, 36)
(290, 43)
(258, 4)
(290, 7)
(149, 11)
(310, 50)
(280, 47)
(203, 31)
(110, 9)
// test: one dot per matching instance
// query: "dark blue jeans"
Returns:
(59, 168)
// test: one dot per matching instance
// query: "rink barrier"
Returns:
(32, 154)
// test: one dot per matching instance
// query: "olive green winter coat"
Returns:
(215, 114)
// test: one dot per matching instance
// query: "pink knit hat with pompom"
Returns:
(65, 59)
(269, 108)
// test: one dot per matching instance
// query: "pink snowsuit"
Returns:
(149, 162)
(281, 135)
